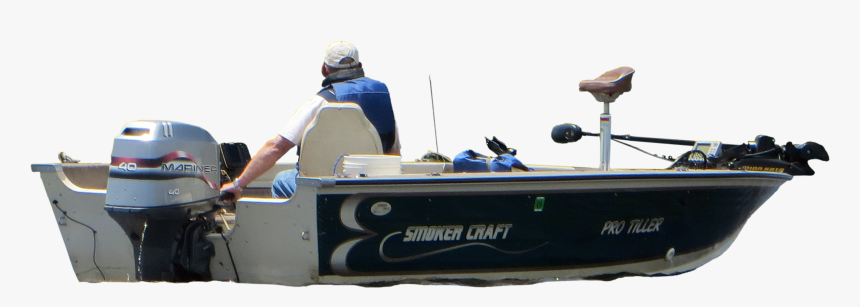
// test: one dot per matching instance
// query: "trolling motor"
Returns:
(762, 154)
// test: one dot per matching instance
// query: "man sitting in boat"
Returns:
(344, 82)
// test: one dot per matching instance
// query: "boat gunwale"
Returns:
(544, 176)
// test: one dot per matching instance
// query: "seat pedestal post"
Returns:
(605, 137)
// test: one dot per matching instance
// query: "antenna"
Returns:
(433, 105)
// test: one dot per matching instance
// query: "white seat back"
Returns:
(338, 129)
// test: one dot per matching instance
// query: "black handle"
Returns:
(226, 196)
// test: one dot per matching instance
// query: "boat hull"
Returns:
(472, 229)
(498, 226)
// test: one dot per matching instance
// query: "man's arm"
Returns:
(259, 164)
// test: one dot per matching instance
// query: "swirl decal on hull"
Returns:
(359, 238)
(348, 220)
(338, 257)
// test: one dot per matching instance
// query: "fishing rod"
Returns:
(433, 106)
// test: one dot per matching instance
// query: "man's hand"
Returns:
(259, 164)
(230, 188)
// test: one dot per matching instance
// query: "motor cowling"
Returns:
(159, 164)
(164, 178)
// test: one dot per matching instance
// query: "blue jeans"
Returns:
(284, 185)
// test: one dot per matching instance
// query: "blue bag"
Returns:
(470, 161)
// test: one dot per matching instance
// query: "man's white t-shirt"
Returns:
(295, 129)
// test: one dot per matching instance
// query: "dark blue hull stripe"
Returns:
(431, 233)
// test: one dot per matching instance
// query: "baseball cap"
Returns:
(341, 55)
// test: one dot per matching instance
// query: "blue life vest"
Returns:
(373, 98)
(470, 161)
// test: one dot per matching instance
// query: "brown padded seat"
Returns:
(615, 81)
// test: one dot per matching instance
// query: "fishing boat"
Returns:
(155, 212)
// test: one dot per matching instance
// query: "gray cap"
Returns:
(341, 55)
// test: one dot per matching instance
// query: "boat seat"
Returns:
(338, 129)
(610, 84)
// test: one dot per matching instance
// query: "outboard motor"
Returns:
(164, 178)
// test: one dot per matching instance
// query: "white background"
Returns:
(73, 72)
